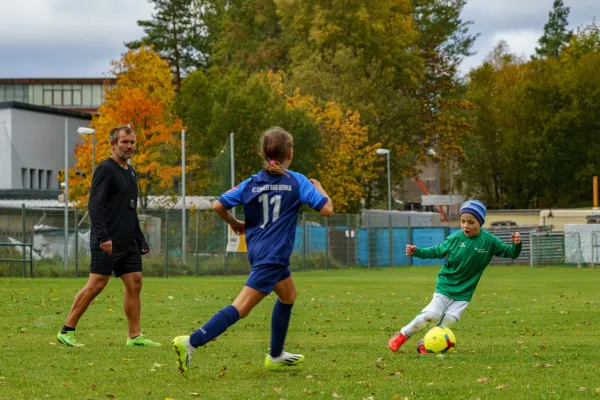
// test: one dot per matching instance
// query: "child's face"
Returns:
(469, 225)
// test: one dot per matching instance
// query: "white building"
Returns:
(32, 148)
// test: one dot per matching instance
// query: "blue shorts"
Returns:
(265, 277)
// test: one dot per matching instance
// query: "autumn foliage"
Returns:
(143, 98)
(345, 159)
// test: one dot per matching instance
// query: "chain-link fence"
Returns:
(341, 241)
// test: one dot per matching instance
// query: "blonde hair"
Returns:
(275, 146)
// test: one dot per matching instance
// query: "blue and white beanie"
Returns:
(475, 208)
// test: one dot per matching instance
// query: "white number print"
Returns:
(276, 202)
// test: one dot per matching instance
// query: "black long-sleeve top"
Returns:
(112, 207)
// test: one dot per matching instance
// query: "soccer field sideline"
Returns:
(526, 334)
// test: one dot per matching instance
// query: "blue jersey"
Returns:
(271, 204)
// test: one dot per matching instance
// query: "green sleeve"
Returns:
(504, 250)
(439, 251)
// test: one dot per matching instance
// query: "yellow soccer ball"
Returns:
(439, 340)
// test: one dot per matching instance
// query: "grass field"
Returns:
(528, 334)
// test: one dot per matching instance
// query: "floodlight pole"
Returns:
(183, 206)
(66, 197)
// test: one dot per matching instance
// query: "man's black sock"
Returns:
(66, 329)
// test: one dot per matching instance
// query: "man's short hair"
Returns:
(113, 135)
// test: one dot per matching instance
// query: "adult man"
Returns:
(116, 240)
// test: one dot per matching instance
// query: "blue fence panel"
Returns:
(316, 240)
(299, 242)
(362, 248)
(375, 242)
(428, 237)
(399, 241)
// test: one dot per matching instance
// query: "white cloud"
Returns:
(65, 23)
(42, 38)
(522, 43)
(519, 22)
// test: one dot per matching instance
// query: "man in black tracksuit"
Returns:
(116, 240)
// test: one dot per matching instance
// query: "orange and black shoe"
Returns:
(421, 347)
(397, 341)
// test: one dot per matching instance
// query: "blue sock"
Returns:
(280, 320)
(215, 326)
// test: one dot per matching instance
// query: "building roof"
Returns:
(50, 81)
(44, 109)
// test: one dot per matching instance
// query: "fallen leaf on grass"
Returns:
(171, 297)
(368, 398)
(309, 392)
(547, 366)
(502, 386)
(112, 396)
(583, 389)
(380, 359)
(157, 365)
(194, 394)
(337, 396)
(597, 390)
(309, 376)
(483, 380)
(278, 390)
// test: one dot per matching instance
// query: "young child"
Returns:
(469, 252)
(271, 200)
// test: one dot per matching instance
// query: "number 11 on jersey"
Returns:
(275, 201)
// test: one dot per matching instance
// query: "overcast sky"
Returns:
(79, 38)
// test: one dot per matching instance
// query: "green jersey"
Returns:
(467, 259)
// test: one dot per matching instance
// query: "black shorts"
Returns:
(120, 262)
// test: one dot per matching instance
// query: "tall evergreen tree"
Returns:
(178, 33)
(555, 31)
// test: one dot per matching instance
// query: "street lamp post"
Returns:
(183, 205)
(66, 197)
(89, 131)
(386, 152)
(433, 153)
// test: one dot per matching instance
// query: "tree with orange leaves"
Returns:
(143, 98)
(345, 159)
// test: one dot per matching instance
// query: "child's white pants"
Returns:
(441, 310)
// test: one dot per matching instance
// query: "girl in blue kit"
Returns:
(271, 200)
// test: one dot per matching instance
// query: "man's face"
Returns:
(124, 146)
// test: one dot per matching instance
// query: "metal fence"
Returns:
(341, 241)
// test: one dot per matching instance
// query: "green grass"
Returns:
(531, 333)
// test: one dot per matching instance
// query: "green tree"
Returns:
(443, 43)
(214, 103)
(535, 125)
(249, 36)
(178, 33)
(361, 56)
(555, 34)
